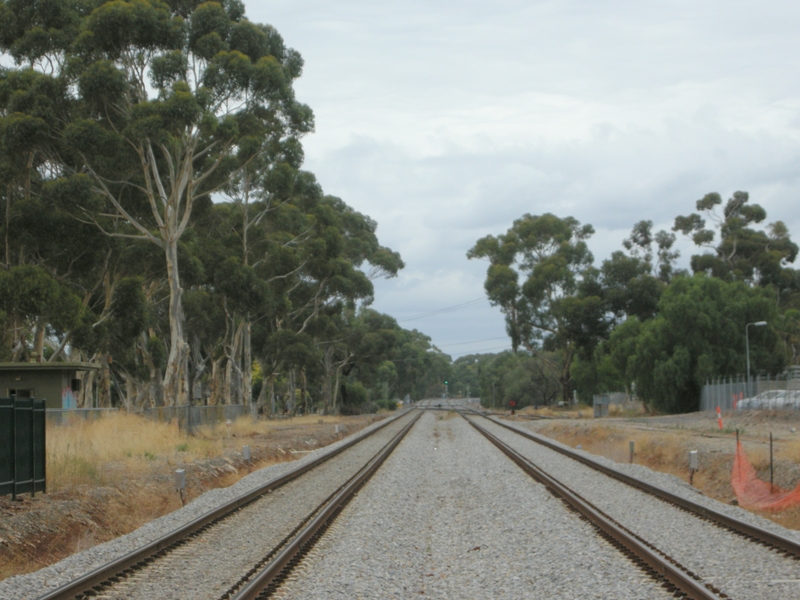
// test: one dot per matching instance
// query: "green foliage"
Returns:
(540, 276)
(520, 377)
(30, 297)
(741, 252)
(698, 334)
(636, 323)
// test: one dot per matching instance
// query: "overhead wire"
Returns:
(472, 342)
(506, 347)
(441, 310)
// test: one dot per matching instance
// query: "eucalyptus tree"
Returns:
(736, 250)
(541, 278)
(170, 100)
(633, 282)
(39, 228)
(327, 270)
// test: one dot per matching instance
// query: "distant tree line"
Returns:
(637, 323)
(156, 218)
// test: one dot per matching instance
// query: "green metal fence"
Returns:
(22, 446)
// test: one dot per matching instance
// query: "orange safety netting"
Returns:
(751, 492)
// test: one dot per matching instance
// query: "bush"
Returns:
(357, 394)
(358, 409)
(385, 404)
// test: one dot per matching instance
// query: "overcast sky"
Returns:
(445, 121)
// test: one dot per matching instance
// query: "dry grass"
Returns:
(245, 427)
(663, 452)
(790, 450)
(100, 451)
(584, 411)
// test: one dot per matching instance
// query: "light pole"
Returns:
(747, 350)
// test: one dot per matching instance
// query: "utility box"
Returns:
(693, 461)
(601, 406)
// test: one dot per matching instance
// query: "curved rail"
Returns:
(665, 567)
(90, 581)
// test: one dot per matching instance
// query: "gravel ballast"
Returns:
(449, 516)
(284, 508)
(737, 566)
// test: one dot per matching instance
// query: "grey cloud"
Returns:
(446, 121)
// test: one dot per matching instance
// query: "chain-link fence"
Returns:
(781, 392)
(191, 417)
(61, 416)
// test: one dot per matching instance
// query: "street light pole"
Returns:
(747, 350)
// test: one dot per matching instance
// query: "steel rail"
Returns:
(672, 573)
(764, 536)
(262, 580)
(89, 581)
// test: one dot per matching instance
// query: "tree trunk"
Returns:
(87, 389)
(131, 392)
(247, 366)
(336, 388)
(173, 374)
(215, 386)
(304, 390)
(565, 378)
(104, 393)
(292, 395)
(228, 383)
(327, 369)
(38, 346)
(272, 394)
(262, 396)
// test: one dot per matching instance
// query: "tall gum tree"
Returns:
(171, 100)
(538, 275)
(737, 251)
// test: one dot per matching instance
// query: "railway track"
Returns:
(165, 567)
(741, 543)
(173, 566)
(646, 554)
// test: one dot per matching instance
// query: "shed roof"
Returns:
(48, 366)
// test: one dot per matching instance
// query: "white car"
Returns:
(770, 400)
(792, 399)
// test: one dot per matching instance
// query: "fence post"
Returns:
(40, 425)
(731, 391)
(13, 446)
(33, 453)
(771, 487)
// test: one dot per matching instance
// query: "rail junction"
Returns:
(449, 516)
